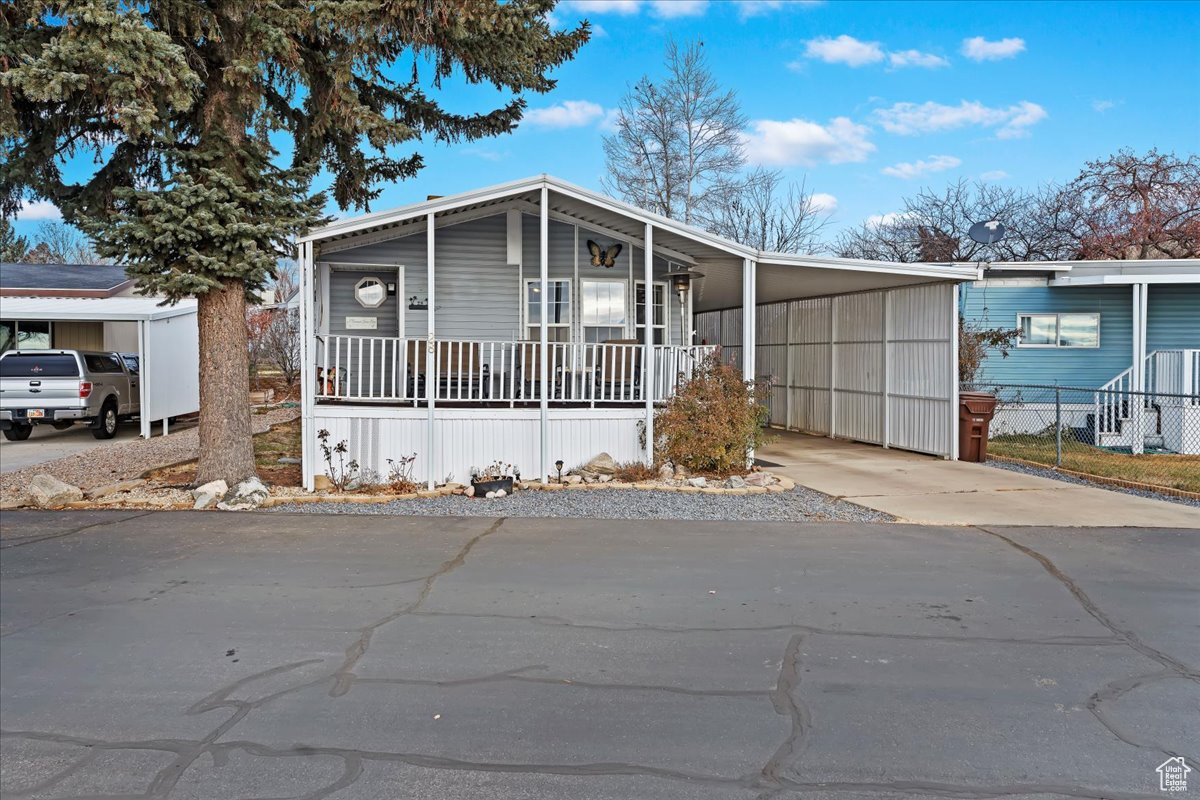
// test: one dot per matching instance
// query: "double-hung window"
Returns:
(558, 317)
(1058, 330)
(602, 312)
(658, 301)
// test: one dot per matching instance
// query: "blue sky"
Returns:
(866, 101)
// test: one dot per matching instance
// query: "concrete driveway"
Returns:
(194, 655)
(926, 489)
(46, 444)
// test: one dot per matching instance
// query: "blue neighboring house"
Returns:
(1113, 327)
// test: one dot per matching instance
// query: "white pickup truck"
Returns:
(64, 387)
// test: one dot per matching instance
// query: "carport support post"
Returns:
(648, 346)
(749, 318)
(143, 377)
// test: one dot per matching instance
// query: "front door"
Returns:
(365, 322)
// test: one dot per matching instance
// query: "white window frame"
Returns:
(526, 321)
(1057, 345)
(16, 323)
(665, 327)
(626, 298)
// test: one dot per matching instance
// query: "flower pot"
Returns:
(482, 487)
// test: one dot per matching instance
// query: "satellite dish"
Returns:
(988, 232)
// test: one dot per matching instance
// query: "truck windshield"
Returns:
(31, 365)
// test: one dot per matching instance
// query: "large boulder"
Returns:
(245, 495)
(209, 494)
(602, 464)
(46, 491)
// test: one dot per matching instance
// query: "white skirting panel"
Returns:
(465, 438)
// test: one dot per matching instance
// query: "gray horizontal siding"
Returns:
(1173, 318)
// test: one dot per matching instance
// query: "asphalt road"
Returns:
(225, 656)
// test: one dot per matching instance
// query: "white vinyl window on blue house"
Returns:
(1058, 330)
(558, 303)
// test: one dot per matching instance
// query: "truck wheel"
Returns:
(18, 432)
(106, 423)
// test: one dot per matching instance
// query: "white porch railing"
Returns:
(384, 369)
(1174, 373)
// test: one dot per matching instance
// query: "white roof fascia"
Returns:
(86, 309)
(1026, 266)
(950, 271)
(1126, 280)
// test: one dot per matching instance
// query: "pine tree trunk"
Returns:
(226, 448)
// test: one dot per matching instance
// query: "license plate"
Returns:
(36, 413)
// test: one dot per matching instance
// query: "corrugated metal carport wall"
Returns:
(879, 366)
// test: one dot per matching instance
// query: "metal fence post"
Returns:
(1057, 427)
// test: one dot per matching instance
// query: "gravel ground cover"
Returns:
(110, 462)
(799, 505)
(1046, 472)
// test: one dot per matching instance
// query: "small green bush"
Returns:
(714, 420)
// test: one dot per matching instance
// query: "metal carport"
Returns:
(168, 344)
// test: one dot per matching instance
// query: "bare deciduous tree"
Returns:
(763, 212)
(934, 227)
(58, 243)
(675, 139)
(1139, 206)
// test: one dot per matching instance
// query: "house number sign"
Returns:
(362, 323)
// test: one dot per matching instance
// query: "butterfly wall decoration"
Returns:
(602, 257)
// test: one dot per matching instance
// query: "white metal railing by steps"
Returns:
(1164, 372)
(387, 369)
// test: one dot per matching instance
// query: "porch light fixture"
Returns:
(681, 282)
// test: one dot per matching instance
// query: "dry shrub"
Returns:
(634, 472)
(714, 420)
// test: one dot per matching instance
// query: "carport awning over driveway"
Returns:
(104, 309)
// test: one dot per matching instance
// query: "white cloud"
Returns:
(567, 114)
(1102, 105)
(786, 143)
(915, 58)
(912, 118)
(623, 7)
(890, 218)
(670, 9)
(978, 48)
(38, 210)
(994, 175)
(914, 169)
(843, 50)
(823, 202)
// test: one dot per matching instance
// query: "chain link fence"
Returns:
(1135, 437)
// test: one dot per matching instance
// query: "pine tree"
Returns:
(186, 107)
(12, 247)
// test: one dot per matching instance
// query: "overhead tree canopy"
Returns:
(186, 107)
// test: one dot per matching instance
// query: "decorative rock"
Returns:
(469, 491)
(571, 480)
(46, 491)
(490, 495)
(113, 488)
(666, 472)
(681, 472)
(501, 493)
(698, 483)
(787, 484)
(289, 460)
(602, 464)
(217, 487)
(247, 494)
(759, 479)
(735, 482)
(321, 483)
(603, 478)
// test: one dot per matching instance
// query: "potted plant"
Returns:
(493, 478)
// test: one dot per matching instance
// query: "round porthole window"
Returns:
(370, 292)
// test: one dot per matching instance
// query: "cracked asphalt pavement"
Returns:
(203, 655)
